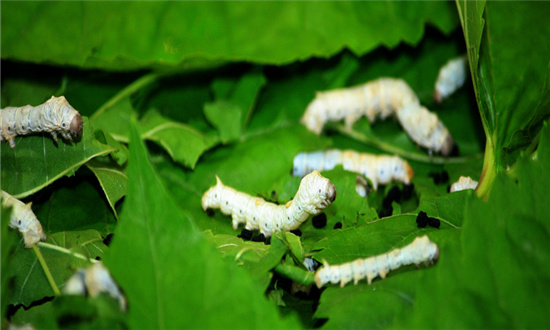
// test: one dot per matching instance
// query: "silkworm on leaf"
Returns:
(450, 78)
(56, 116)
(95, 280)
(421, 250)
(23, 218)
(380, 169)
(382, 98)
(463, 183)
(314, 194)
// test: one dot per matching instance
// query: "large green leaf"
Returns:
(8, 245)
(38, 160)
(178, 269)
(500, 276)
(511, 81)
(64, 253)
(124, 36)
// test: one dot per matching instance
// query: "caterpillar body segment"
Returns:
(55, 116)
(421, 250)
(378, 98)
(463, 183)
(425, 128)
(380, 169)
(23, 218)
(382, 98)
(314, 194)
(450, 78)
(95, 280)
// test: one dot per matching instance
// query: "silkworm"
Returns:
(95, 280)
(382, 98)
(463, 183)
(23, 218)
(55, 116)
(314, 194)
(421, 250)
(450, 78)
(380, 169)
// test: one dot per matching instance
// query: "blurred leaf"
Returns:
(73, 312)
(8, 245)
(64, 253)
(503, 258)
(151, 237)
(129, 36)
(112, 179)
(38, 160)
(121, 155)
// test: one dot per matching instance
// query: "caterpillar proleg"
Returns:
(314, 194)
(54, 116)
(450, 78)
(95, 280)
(382, 98)
(421, 250)
(380, 169)
(23, 218)
(463, 183)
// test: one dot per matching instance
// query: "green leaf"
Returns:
(112, 179)
(130, 36)
(63, 208)
(8, 245)
(73, 312)
(38, 160)
(509, 88)
(226, 117)
(64, 253)
(503, 257)
(175, 263)
(182, 142)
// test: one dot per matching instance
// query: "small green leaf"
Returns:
(112, 180)
(38, 160)
(182, 142)
(226, 117)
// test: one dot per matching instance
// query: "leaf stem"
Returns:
(129, 90)
(66, 251)
(46, 269)
(394, 150)
(296, 274)
(489, 172)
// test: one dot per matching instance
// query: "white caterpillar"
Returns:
(314, 194)
(450, 78)
(421, 250)
(380, 98)
(463, 183)
(95, 280)
(380, 169)
(55, 116)
(24, 220)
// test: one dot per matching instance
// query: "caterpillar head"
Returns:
(320, 192)
(211, 198)
(323, 275)
(75, 128)
(30, 227)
